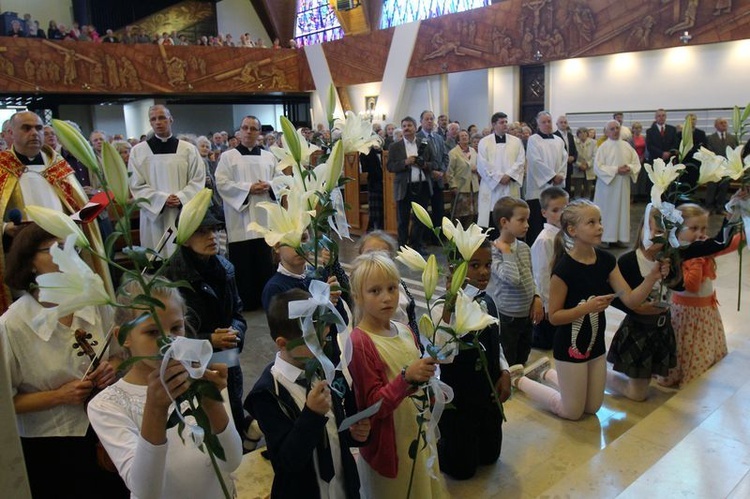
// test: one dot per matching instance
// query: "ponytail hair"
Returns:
(570, 216)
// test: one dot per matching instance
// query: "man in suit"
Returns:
(412, 181)
(716, 192)
(661, 141)
(563, 131)
(439, 164)
(692, 170)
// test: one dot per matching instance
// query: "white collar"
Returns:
(285, 369)
(43, 320)
(163, 140)
(285, 271)
(552, 228)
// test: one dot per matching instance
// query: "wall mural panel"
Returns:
(31, 65)
(359, 58)
(530, 31)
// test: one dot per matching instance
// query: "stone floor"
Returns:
(689, 443)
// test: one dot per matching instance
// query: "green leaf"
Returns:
(127, 363)
(205, 388)
(148, 301)
(214, 446)
(413, 447)
(128, 326)
(180, 429)
(138, 255)
(746, 113)
(173, 420)
(109, 244)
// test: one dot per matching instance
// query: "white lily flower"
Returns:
(285, 225)
(735, 166)
(430, 277)
(357, 134)
(712, 166)
(286, 156)
(75, 285)
(58, 224)
(661, 175)
(448, 228)
(411, 258)
(468, 240)
(469, 316)
(421, 213)
(116, 173)
(192, 215)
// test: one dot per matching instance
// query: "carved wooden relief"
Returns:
(32, 65)
(529, 31)
(175, 18)
(358, 59)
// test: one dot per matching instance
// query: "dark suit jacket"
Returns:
(292, 436)
(440, 152)
(715, 144)
(657, 145)
(570, 147)
(397, 164)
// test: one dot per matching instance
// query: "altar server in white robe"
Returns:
(243, 179)
(500, 162)
(167, 172)
(616, 165)
(546, 165)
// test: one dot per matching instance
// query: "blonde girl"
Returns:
(130, 417)
(699, 331)
(386, 365)
(584, 282)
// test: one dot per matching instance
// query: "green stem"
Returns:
(486, 370)
(215, 465)
(416, 454)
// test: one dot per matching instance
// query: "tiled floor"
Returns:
(689, 443)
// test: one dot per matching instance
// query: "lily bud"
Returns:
(421, 214)
(426, 326)
(331, 102)
(458, 278)
(411, 258)
(72, 140)
(336, 166)
(448, 228)
(57, 224)
(116, 173)
(291, 139)
(430, 277)
(192, 215)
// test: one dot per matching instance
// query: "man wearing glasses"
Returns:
(167, 172)
(243, 179)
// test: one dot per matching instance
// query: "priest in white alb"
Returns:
(168, 173)
(243, 179)
(546, 165)
(35, 174)
(616, 165)
(500, 162)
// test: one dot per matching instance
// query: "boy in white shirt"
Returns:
(553, 200)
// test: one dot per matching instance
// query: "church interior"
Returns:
(585, 59)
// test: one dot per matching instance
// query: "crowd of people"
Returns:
(544, 272)
(30, 28)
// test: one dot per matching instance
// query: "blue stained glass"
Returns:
(397, 12)
(316, 23)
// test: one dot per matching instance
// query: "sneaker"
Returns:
(252, 436)
(537, 369)
(516, 373)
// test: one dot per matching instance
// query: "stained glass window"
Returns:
(397, 12)
(316, 23)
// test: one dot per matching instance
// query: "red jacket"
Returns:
(370, 385)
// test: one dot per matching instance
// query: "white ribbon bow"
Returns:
(740, 209)
(321, 297)
(337, 221)
(443, 395)
(194, 355)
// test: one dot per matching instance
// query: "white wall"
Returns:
(109, 119)
(420, 94)
(41, 10)
(80, 114)
(136, 117)
(268, 114)
(468, 98)
(237, 17)
(688, 77)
